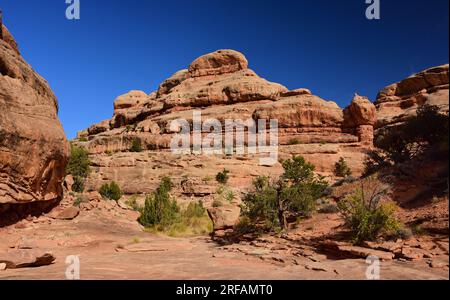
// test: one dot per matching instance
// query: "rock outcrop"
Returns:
(400, 100)
(222, 87)
(33, 147)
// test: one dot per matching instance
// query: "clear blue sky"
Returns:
(120, 45)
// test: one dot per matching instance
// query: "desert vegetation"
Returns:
(274, 201)
(421, 137)
(78, 167)
(341, 169)
(162, 214)
(368, 212)
(111, 191)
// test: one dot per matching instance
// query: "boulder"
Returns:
(33, 148)
(15, 259)
(218, 63)
(69, 213)
(130, 99)
(224, 217)
(360, 112)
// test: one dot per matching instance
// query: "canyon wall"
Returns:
(33, 147)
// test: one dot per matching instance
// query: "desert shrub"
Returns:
(245, 226)
(195, 210)
(136, 145)
(78, 184)
(83, 139)
(294, 142)
(161, 214)
(341, 169)
(223, 177)
(160, 209)
(224, 195)
(111, 191)
(366, 215)
(79, 163)
(425, 133)
(294, 193)
(79, 200)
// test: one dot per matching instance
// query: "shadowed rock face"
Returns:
(400, 100)
(33, 147)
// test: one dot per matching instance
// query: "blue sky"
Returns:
(120, 45)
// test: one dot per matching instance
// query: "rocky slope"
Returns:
(221, 86)
(33, 146)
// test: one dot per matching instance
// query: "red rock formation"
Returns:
(33, 146)
(400, 100)
(221, 85)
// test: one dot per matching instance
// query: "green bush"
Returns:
(79, 163)
(161, 213)
(224, 195)
(78, 184)
(136, 145)
(195, 210)
(79, 201)
(294, 193)
(294, 142)
(365, 215)
(223, 177)
(111, 191)
(341, 169)
(83, 139)
(160, 209)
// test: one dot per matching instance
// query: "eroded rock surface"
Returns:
(33, 146)
(400, 100)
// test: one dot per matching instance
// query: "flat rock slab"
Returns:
(142, 247)
(16, 259)
(361, 252)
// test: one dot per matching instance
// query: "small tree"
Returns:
(160, 209)
(223, 177)
(136, 145)
(294, 193)
(341, 168)
(79, 163)
(111, 191)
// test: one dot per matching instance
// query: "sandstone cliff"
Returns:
(221, 85)
(33, 146)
